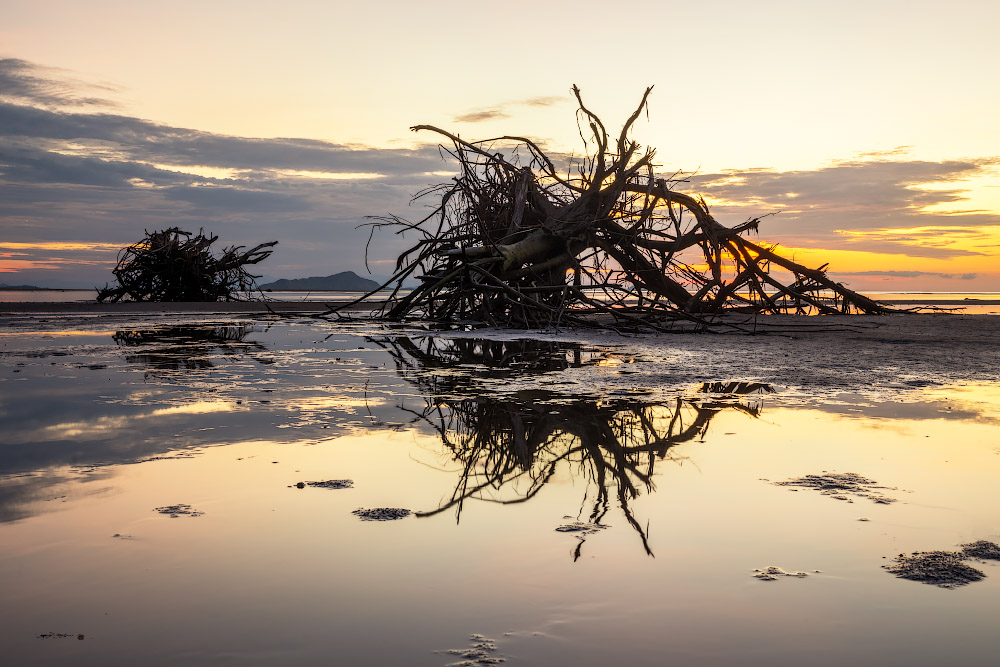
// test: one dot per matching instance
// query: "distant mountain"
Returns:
(6, 286)
(347, 281)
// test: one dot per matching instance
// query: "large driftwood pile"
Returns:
(174, 265)
(513, 241)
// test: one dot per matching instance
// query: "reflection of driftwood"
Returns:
(740, 388)
(516, 446)
(174, 265)
(515, 241)
(187, 348)
(468, 358)
(510, 448)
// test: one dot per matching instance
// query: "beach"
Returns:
(226, 484)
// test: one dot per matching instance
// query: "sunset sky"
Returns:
(870, 126)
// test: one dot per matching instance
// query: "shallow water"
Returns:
(569, 517)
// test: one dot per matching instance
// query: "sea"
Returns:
(965, 302)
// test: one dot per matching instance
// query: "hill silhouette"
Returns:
(344, 281)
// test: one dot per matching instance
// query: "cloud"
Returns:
(499, 111)
(141, 141)
(542, 101)
(29, 83)
(880, 205)
(910, 274)
(480, 116)
(229, 199)
(898, 151)
(100, 179)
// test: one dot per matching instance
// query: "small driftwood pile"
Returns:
(514, 242)
(174, 265)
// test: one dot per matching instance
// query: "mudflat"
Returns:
(186, 485)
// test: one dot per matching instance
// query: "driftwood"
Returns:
(174, 265)
(513, 241)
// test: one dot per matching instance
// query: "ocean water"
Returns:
(192, 491)
(59, 296)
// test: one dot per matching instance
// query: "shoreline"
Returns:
(312, 307)
(158, 308)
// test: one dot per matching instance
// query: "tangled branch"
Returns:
(174, 265)
(513, 242)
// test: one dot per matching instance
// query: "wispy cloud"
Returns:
(911, 274)
(118, 138)
(542, 101)
(28, 83)
(501, 110)
(480, 116)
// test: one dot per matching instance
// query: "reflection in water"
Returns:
(188, 347)
(740, 388)
(462, 360)
(509, 448)
(288, 576)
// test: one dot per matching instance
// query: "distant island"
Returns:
(6, 286)
(347, 281)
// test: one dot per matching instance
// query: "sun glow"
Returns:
(841, 261)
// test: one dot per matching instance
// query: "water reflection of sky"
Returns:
(496, 446)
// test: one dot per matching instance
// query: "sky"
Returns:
(868, 128)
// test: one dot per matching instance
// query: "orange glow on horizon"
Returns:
(842, 261)
(980, 240)
(59, 245)
(18, 265)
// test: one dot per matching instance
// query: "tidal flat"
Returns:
(184, 488)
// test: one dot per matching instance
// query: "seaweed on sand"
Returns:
(945, 569)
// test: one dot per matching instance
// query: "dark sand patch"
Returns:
(580, 527)
(328, 484)
(981, 550)
(481, 652)
(381, 513)
(841, 486)
(174, 511)
(945, 569)
(773, 573)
